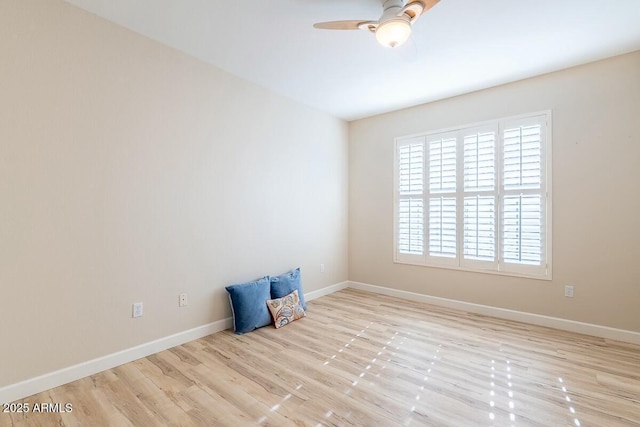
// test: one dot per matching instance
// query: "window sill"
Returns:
(547, 277)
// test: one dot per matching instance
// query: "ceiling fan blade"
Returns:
(415, 8)
(344, 25)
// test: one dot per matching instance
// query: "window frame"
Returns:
(498, 266)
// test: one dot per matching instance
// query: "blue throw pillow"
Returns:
(281, 286)
(248, 303)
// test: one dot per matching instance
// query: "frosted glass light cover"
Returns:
(393, 33)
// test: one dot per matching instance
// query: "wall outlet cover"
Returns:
(568, 291)
(137, 309)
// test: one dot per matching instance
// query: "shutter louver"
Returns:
(442, 206)
(411, 226)
(411, 168)
(522, 207)
(522, 152)
(479, 228)
(522, 229)
(411, 209)
(479, 217)
(442, 165)
(479, 161)
(442, 227)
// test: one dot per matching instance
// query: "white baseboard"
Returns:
(503, 313)
(308, 296)
(44, 382)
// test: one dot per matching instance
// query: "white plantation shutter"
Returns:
(411, 226)
(442, 184)
(442, 165)
(476, 197)
(410, 213)
(480, 228)
(411, 167)
(480, 195)
(522, 154)
(442, 227)
(523, 238)
(522, 229)
(479, 161)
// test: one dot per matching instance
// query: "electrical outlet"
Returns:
(568, 291)
(321, 268)
(182, 300)
(137, 309)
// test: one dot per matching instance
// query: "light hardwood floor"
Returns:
(367, 360)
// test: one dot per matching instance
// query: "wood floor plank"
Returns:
(362, 359)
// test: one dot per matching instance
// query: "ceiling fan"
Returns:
(394, 26)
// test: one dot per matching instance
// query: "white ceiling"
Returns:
(457, 47)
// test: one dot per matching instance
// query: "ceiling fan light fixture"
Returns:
(393, 33)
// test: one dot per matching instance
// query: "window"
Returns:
(476, 197)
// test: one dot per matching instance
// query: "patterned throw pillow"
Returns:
(286, 309)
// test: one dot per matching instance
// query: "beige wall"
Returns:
(131, 172)
(596, 195)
